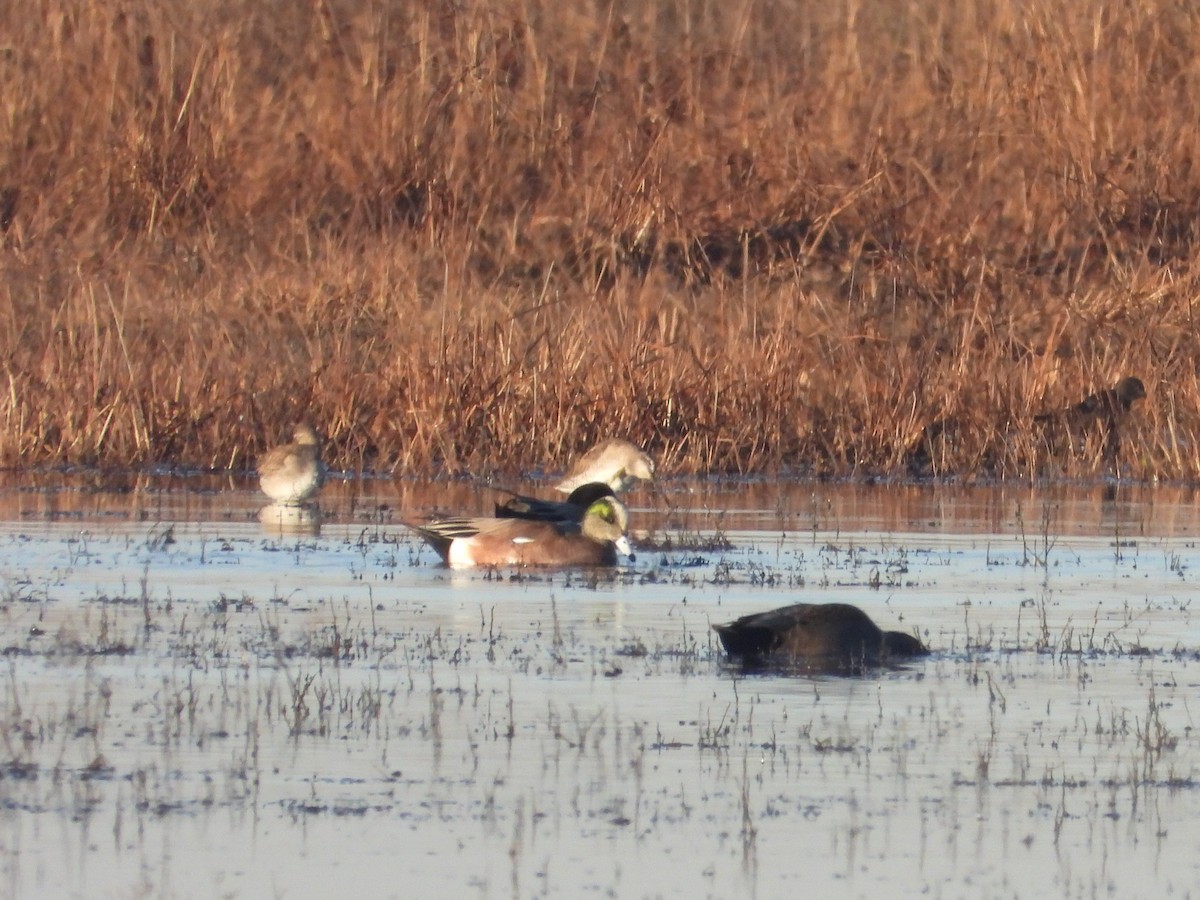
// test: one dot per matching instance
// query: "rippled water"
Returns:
(198, 704)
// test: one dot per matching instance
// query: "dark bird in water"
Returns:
(821, 637)
(518, 506)
(1108, 408)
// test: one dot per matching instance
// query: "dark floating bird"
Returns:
(817, 637)
(1108, 408)
(518, 506)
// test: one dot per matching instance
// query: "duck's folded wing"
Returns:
(519, 506)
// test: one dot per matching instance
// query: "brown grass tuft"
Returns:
(481, 236)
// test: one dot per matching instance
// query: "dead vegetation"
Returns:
(481, 236)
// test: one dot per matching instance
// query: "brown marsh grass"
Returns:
(479, 236)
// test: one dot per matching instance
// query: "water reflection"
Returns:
(281, 519)
(1114, 509)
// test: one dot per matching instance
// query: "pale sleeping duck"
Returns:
(292, 473)
(821, 637)
(614, 462)
(595, 540)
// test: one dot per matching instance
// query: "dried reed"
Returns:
(833, 239)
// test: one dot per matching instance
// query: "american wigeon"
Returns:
(595, 540)
(1109, 408)
(615, 462)
(826, 637)
(518, 506)
(293, 473)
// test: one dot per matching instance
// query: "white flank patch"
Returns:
(460, 556)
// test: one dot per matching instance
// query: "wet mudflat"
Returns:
(196, 704)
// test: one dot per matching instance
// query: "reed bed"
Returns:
(477, 237)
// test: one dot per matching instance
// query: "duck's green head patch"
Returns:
(610, 511)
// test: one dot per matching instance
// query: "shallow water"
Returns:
(199, 704)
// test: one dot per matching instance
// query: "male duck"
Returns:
(518, 506)
(594, 540)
